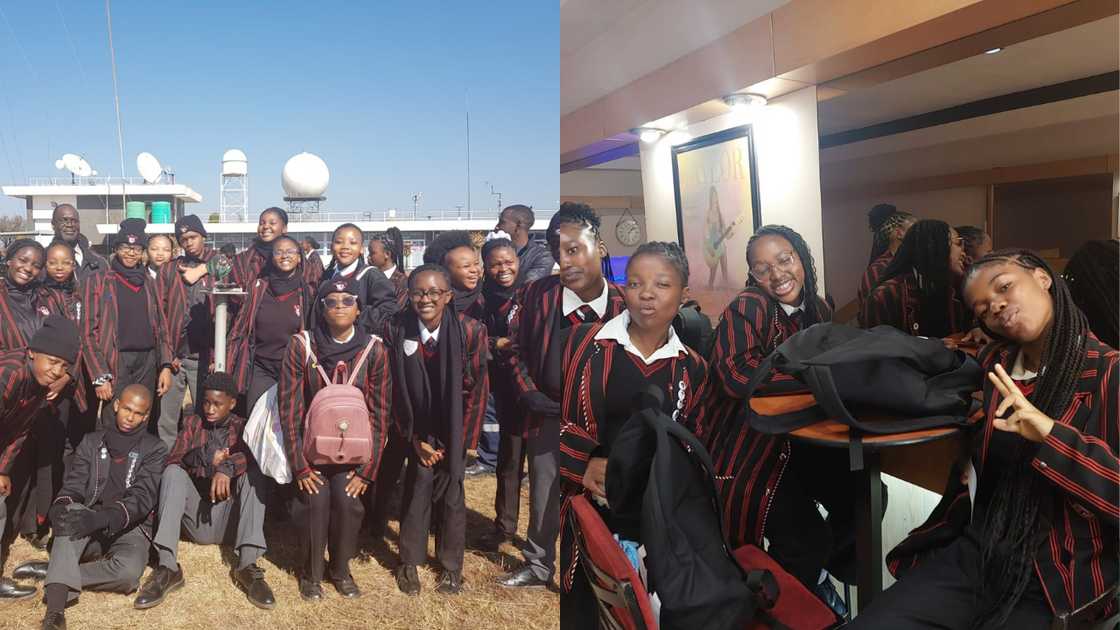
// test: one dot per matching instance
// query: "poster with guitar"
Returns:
(716, 186)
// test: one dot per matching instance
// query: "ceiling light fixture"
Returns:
(992, 51)
(648, 134)
(740, 101)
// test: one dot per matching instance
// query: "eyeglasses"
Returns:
(786, 262)
(285, 253)
(135, 250)
(68, 221)
(347, 301)
(431, 294)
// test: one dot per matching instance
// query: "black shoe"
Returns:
(827, 592)
(522, 578)
(31, 571)
(492, 540)
(158, 586)
(450, 583)
(346, 587)
(251, 581)
(407, 580)
(310, 591)
(478, 468)
(14, 590)
(54, 621)
(39, 540)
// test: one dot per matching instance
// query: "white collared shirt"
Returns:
(1019, 372)
(618, 329)
(78, 255)
(353, 331)
(346, 270)
(390, 271)
(790, 310)
(426, 334)
(571, 302)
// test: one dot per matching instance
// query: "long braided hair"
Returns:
(1093, 277)
(1022, 503)
(926, 250)
(809, 291)
(882, 220)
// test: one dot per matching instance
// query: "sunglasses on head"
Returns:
(332, 302)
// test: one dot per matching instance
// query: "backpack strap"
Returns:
(362, 358)
(314, 360)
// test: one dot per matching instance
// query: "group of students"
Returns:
(93, 348)
(1040, 539)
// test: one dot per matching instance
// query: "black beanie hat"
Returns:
(220, 382)
(132, 233)
(339, 285)
(58, 337)
(189, 223)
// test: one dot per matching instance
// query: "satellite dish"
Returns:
(76, 164)
(149, 167)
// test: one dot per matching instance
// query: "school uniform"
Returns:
(376, 292)
(189, 317)
(248, 264)
(330, 518)
(400, 283)
(21, 400)
(259, 338)
(313, 268)
(869, 281)
(540, 330)
(770, 486)
(602, 374)
(440, 390)
(123, 333)
(511, 442)
(123, 486)
(1076, 560)
(897, 302)
(184, 495)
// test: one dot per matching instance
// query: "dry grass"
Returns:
(210, 599)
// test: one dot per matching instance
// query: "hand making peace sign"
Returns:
(1026, 419)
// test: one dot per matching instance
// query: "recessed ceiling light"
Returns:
(648, 134)
(744, 100)
(992, 51)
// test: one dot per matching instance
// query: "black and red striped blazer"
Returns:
(869, 281)
(313, 268)
(99, 324)
(536, 306)
(242, 337)
(172, 292)
(46, 302)
(21, 396)
(897, 302)
(246, 267)
(1079, 559)
(195, 434)
(69, 304)
(748, 464)
(298, 384)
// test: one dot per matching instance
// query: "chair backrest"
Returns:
(623, 601)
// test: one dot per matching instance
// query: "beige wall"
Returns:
(847, 240)
(601, 182)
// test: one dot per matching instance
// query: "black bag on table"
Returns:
(882, 370)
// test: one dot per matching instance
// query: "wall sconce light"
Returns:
(741, 101)
(648, 134)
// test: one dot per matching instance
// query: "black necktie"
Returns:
(797, 317)
(430, 345)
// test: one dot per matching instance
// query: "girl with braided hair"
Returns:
(888, 227)
(1093, 277)
(386, 252)
(769, 485)
(917, 292)
(1040, 538)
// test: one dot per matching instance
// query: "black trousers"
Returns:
(328, 521)
(133, 367)
(801, 540)
(55, 436)
(440, 488)
(380, 496)
(511, 467)
(259, 381)
(942, 593)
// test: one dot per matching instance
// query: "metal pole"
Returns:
(221, 316)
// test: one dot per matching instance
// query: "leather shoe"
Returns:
(450, 583)
(476, 469)
(14, 590)
(310, 591)
(251, 581)
(346, 587)
(31, 571)
(522, 578)
(159, 584)
(54, 621)
(407, 579)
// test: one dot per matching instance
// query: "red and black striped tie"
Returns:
(583, 315)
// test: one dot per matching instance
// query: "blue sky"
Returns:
(375, 88)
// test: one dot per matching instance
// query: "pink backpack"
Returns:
(337, 428)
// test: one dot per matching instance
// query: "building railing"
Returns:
(420, 214)
(74, 180)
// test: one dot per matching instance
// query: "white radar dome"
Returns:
(234, 162)
(305, 176)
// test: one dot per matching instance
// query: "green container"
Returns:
(161, 212)
(135, 210)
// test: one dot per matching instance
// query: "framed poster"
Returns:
(716, 185)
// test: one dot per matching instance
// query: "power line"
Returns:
(70, 40)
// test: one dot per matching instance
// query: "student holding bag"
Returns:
(1039, 540)
(336, 366)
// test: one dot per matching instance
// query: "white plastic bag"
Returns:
(262, 436)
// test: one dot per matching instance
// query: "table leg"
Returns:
(221, 318)
(869, 530)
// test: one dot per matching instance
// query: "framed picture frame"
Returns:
(715, 182)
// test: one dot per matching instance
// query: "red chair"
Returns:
(796, 607)
(623, 601)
